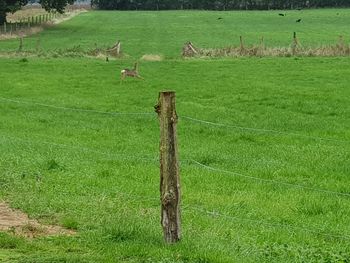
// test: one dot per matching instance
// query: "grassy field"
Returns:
(98, 173)
(165, 32)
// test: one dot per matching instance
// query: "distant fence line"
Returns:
(26, 23)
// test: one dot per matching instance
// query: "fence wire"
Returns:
(269, 180)
(154, 159)
(216, 124)
(77, 109)
(189, 207)
(118, 156)
(263, 222)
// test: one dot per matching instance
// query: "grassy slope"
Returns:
(83, 170)
(165, 32)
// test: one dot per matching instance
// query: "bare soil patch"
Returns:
(151, 57)
(18, 223)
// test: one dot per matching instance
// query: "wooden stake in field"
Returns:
(241, 43)
(169, 168)
(295, 43)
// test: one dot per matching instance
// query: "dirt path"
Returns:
(18, 223)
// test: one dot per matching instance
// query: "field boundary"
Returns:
(339, 49)
(35, 24)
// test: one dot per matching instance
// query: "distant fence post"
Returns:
(169, 168)
(20, 44)
(295, 43)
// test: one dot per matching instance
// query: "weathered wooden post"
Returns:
(295, 44)
(169, 168)
(241, 42)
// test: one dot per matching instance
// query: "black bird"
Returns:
(281, 14)
(219, 18)
(299, 9)
(298, 21)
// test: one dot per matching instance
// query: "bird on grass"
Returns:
(219, 18)
(282, 14)
(298, 21)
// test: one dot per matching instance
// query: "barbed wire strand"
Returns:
(262, 130)
(270, 180)
(262, 222)
(76, 109)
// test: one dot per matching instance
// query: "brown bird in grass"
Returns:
(281, 14)
(298, 21)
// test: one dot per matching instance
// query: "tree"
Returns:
(11, 6)
(57, 5)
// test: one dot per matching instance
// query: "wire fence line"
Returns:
(272, 181)
(154, 159)
(215, 124)
(263, 222)
(263, 130)
(118, 156)
(189, 207)
(77, 109)
(85, 149)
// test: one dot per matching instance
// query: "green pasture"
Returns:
(165, 32)
(263, 142)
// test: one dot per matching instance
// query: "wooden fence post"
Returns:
(295, 44)
(169, 168)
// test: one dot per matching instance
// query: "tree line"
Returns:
(216, 4)
(11, 6)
